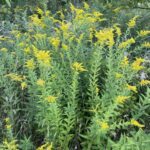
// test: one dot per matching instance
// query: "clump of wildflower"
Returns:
(122, 99)
(126, 43)
(64, 46)
(30, 64)
(15, 77)
(125, 61)
(144, 82)
(43, 56)
(106, 36)
(136, 123)
(51, 99)
(40, 82)
(86, 6)
(136, 65)
(132, 88)
(78, 67)
(146, 44)
(143, 33)
(40, 11)
(132, 22)
(117, 30)
(23, 85)
(104, 125)
(55, 42)
(118, 75)
(64, 27)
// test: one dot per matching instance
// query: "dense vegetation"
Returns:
(74, 75)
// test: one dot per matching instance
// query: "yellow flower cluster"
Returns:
(78, 67)
(143, 33)
(43, 57)
(3, 49)
(126, 43)
(106, 36)
(136, 65)
(132, 22)
(122, 99)
(23, 85)
(125, 61)
(55, 42)
(12, 145)
(51, 99)
(46, 146)
(40, 82)
(132, 88)
(144, 82)
(104, 125)
(146, 44)
(30, 64)
(119, 75)
(136, 123)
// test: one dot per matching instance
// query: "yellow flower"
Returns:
(3, 49)
(78, 67)
(15, 77)
(136, 65)
(146, 44)
(119, 75)
(97, 14)
(7, 120)
(144, 82)
(126, 43)
(43, 56)
(55, 42)
(40, 11)
(64, 26)
(27, 50)
(125, 61)
(106, 36)
(8, 126)
(10, 145)
(132, 88)
(143, 33)
(122, 99)
(45, 146)
(51, 99)
(23, 85)
(86, 6)
(30, 64)
(104, 125)
(136, 123)
(132, 22)
(118, 30)
(64, 46)
(40, 82)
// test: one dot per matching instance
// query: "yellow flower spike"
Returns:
(117, 30)
(40, 11)
(40, 82)
(126, 43)
(132, 22)
(55, 42)
(125, 61)
(136, 65)
(86, 6)
(64, 46)
(51, 99)
(27, 50)
(122, 99)
(143, 33)
(78, 67)
(118, 75)
(144, 82)
(43, 56)
(104, 125)
(30, 64)
(132, 88)
(23, 85)
(7, 120)
(136, 123)
(146, 45)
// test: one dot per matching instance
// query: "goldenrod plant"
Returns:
(73, 83)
